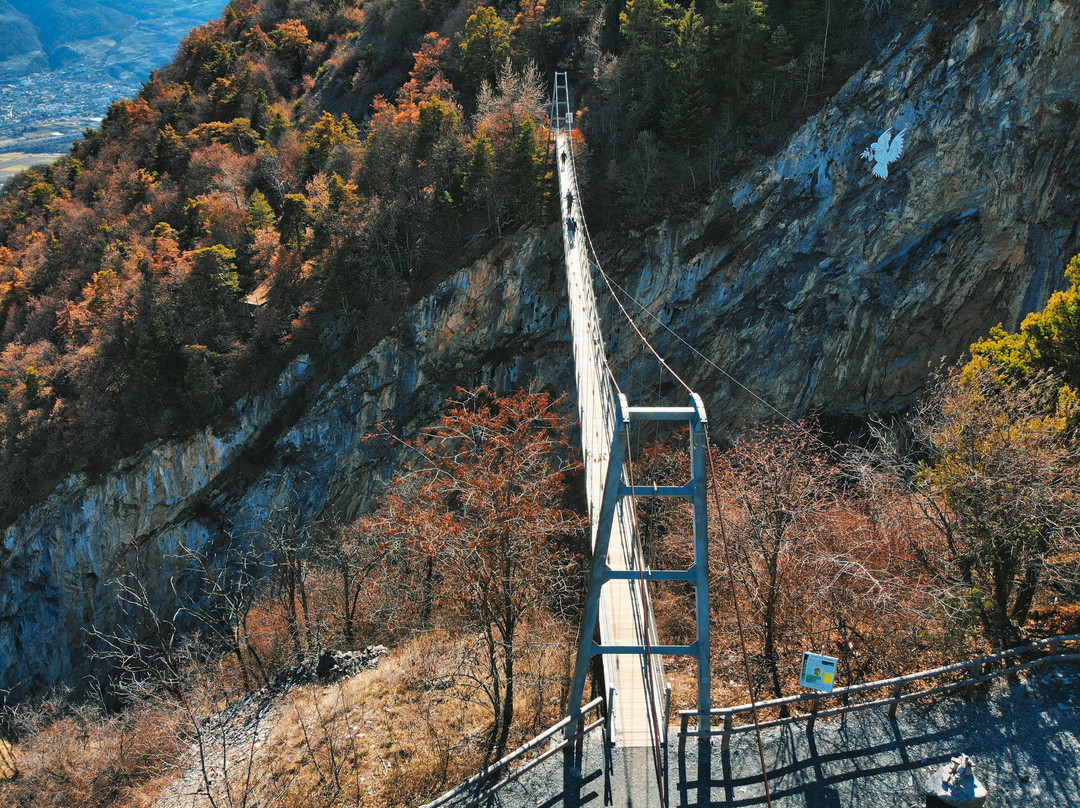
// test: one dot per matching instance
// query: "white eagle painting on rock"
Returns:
(886, 150)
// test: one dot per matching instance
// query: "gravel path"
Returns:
(1025, 739)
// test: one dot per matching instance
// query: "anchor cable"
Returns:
(738, 620)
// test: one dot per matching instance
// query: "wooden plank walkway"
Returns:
(622, 616)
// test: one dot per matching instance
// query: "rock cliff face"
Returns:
(808, 281)
(817, 284)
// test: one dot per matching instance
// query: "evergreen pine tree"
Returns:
(646, 26)
(688, 110)
(740, 36)
(262, 215)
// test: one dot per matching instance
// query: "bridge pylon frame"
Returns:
(615, 489)
(561, 117)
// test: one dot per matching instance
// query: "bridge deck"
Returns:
(621, 613)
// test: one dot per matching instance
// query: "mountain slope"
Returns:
(20, 36)
(301, 173)
(806, 278)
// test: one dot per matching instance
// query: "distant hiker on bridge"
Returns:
(571, 228)
(569, 203)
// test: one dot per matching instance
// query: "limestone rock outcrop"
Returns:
(808, 281)
(818, 285)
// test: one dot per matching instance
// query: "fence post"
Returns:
(813, 716)
(682, 736)
(725, 739)
(896, 691)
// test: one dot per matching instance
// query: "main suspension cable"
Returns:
(831, 451)
(594, 262)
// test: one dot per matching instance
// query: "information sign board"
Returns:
(818, 671)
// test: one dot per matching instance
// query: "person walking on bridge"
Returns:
(571, 228)
(569, 203)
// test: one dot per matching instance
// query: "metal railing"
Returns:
(487, 783)
(1050, 649)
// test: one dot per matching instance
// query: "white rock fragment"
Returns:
(955, 784)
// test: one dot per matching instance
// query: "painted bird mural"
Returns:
(886, 150)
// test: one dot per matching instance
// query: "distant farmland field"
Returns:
(11, 163)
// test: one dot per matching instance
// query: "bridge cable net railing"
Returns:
(481, 787)
(610, 287)
(965, 676)
(597, 396)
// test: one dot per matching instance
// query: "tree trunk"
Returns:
(1025, 592)
(1003, 633)
(772, 660)
(348, 605)
(495, 694)
(508, 701)
(425, 603)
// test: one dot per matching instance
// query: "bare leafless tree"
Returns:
(479, 515)
(993, 468)
(229, 587)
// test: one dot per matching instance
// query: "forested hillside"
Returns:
(305, 168)
(335, 212)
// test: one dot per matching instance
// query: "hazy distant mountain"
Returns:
(61, 21)
(20, 47)
(62, 62)
(119, 36)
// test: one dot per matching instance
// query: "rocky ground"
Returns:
(1024, 737)
(227, 742)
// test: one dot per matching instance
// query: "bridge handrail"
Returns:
(477, 783)
(897, 696)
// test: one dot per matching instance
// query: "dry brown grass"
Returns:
(400, 733)
(1056, 618)
(86, 760)
(8, 769)
(388, 736)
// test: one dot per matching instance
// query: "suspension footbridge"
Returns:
(618, 623)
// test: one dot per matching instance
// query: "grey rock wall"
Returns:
(500, 322)
(818, 285)
(808, 281)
